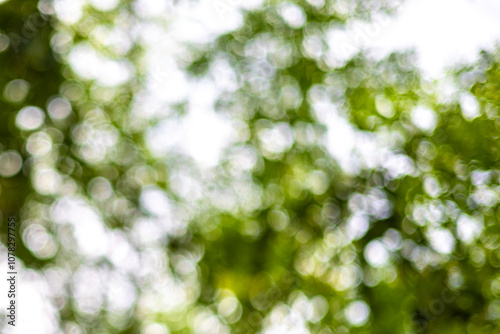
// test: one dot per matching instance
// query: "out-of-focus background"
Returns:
(251, 166)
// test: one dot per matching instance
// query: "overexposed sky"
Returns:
(443, 32)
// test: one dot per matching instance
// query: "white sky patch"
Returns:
(341, 47)
(469, 106)
(293, 15)
(209, 134)
(165, 294)
(192, 31)
(354, 149)
(87, 287)
(104, 5)
(167, 82)
(165, 136)
(357, 226)
(468, 228)
(150, 8)
(89, 231)
(224, 75)
(204, 21)
(202, 133)
(485, 196)
(166, 218)
(33, 301)
(443, 32)
(376, 254)
(341, 137)
(69, 11)
(399, 165)
(432, 186)
(284, 320)
(357, 313)
(121, 252)
(89, 64)
(424, 118)
(155, 201)
(441, 240)
(276, 139)
(121, 293)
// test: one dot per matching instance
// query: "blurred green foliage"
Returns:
(403, 241)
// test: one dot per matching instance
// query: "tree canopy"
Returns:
(351, 195)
